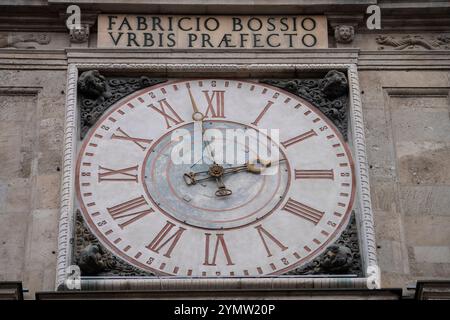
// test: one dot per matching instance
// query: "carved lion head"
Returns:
(337, 258)
(334, 84)
(92, 84)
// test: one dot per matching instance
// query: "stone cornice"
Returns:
(366, 60)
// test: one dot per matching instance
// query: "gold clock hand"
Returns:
(197, 115)
(191, 177)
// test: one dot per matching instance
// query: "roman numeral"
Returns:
(125, 174)
(314, 174)
(127, 209)
(263, 234)
(303, 211)
(299, 138)
(268, 105)
(138, 141)
(219, 241)
(216, 103)
(169, 114)
(160, 240)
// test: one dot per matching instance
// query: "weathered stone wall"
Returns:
(408, 134)
(31, 130)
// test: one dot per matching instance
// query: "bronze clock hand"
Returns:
(197, 115)
(191, 177)
(222, 191)
(216, 172)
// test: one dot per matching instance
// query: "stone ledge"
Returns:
(11, 290)
(13, 59)
(309, 294)
(433, 290)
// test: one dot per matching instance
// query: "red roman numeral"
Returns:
(219, 241)
(169, 114)
(159, 242)
(127, 210)
(138, 141)
(314, 174)
(125, 174)
(216, 103)
(303, 211)
(264, 233)
(268, 105)
(299, 138)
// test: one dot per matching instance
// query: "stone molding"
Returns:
(369, 247)
(363, 207)
(67, 196)
(38, 59)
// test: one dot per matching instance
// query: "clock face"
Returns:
(271, 187)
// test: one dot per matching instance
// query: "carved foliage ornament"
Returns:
(329, 95)
(97, 94)
(94, 259)
(23, 41)
(411, 42)
(342, 257)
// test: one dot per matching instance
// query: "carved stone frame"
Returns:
(362, 206)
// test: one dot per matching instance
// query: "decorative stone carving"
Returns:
(329, 95)
(344, 33)
(94, 259)
(98, 93)
(22, 41)
(334, 85)
(90, 260)
(411, 42)
(93, 85)
(79, 35)
(342, 257)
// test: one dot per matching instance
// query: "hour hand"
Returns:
(222, 191)
(192, 178)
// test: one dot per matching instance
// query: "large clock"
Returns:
(251, 215)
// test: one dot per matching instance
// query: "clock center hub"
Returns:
(215, 171)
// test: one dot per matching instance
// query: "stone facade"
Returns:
(405, 91)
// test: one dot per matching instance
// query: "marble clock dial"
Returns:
(225, 221)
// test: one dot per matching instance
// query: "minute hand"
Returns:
(253, 166)
(190, 178)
